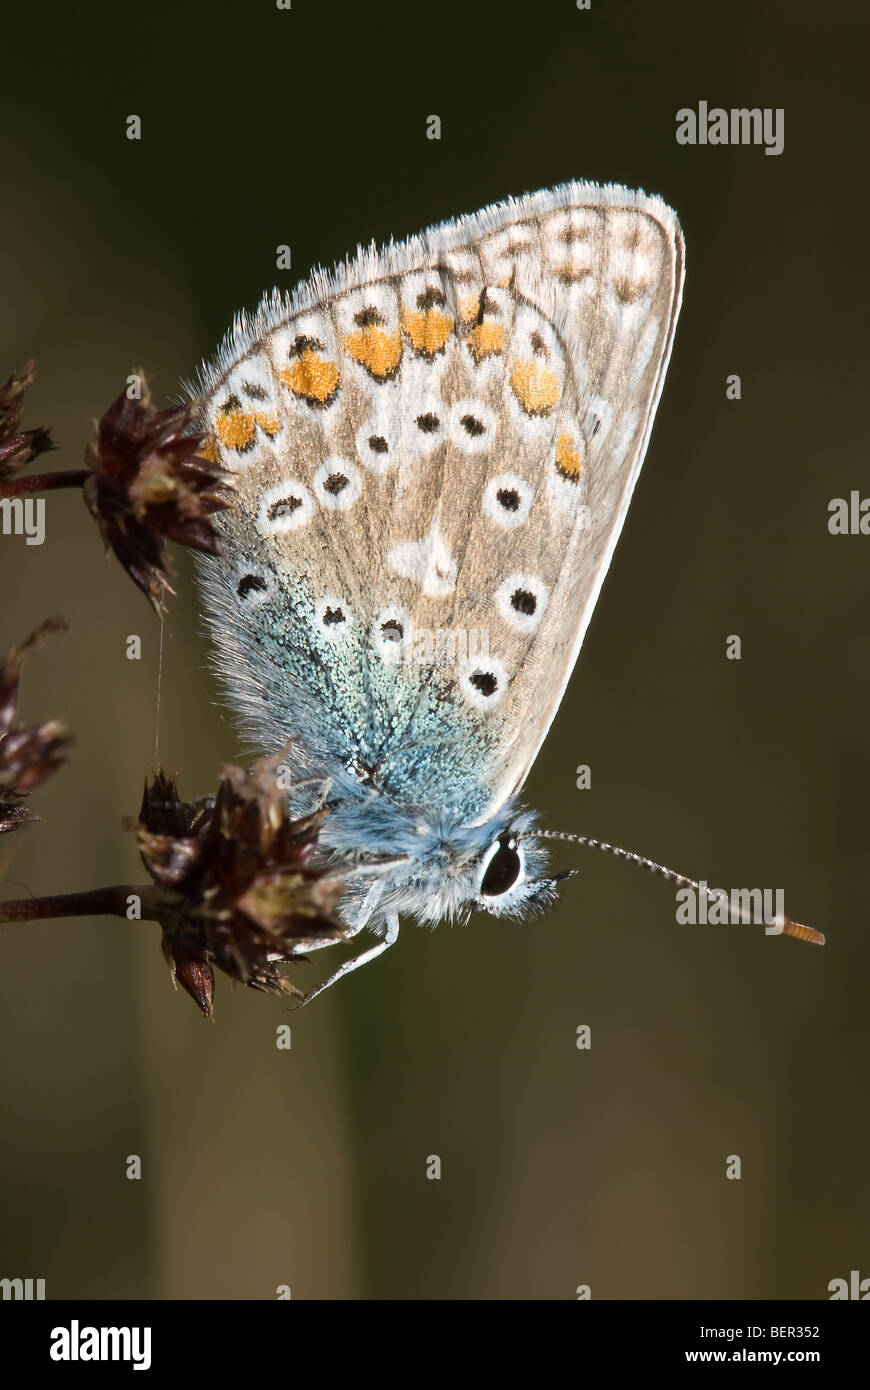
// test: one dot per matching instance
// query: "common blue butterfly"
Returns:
(435, 446)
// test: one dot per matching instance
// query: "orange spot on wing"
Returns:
(236, 429)
(269, 424)
(210, 451)
(375, 350)
(568, 459)
(486, 339)
(536, 388)
(428, 331)
(312, 377)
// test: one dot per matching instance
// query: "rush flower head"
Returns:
(19, 447)
(28, 754)
(149, 485)
(237, 886)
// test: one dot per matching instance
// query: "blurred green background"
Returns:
(560, 1167)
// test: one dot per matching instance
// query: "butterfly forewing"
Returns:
(435, 449)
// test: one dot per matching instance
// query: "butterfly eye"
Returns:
(503, 869)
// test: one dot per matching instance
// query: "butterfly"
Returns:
(434, 447)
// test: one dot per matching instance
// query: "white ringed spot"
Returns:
(333, 617)
(507, 500)
(252, 587)
(472, 426)
(521, 600)
(375, 447)
(337, 484)
(483, 681)
(391, 633)
(285, 507)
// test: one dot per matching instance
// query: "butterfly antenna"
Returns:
(789, 927)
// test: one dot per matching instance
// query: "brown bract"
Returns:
(240, 892)
(19, 447)
(149, 485)
(31, 753)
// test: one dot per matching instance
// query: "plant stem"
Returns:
(99, 900)
(44, 482)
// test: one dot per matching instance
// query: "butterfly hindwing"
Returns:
(435, 449)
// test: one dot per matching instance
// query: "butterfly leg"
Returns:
(304, 946)
(369, 903)
(355, 962)
(323, 783)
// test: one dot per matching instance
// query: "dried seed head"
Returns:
(242, 891)
(30, 754)
(19, 447)
(149, 485)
